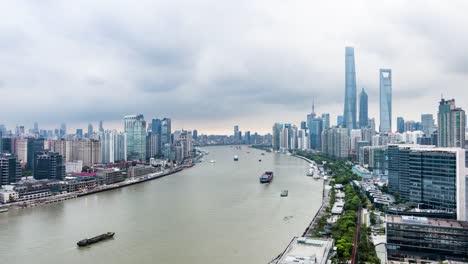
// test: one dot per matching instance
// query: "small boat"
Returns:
(3, 210)
(266, 177)
(236, 158)
(310, 172)
(89, 241)
(263, 153)
(284, 193)
(259, 160)
(325, 178)
(212, 161)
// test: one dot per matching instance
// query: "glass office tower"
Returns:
(385, 100)
(350, 90)
(135, 129)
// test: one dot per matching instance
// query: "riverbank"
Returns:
(98, 189)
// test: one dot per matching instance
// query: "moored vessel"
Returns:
(266, 177)
(284, 193)
(3, 210)
(89, 241)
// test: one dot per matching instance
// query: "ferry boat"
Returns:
(266, 177)
(236, 158)
(89, 241)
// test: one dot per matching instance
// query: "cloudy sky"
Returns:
(211, 64)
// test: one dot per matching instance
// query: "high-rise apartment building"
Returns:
(20, 149)
(135, 128)
(335, 142)
(385, 100)
(451, 121)
(350, 90)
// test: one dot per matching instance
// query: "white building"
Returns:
(73, 166)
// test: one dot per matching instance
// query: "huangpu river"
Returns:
(211, 213)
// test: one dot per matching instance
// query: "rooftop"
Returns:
(306, 251)
(413, 220)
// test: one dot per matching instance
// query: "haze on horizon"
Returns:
(210, 65)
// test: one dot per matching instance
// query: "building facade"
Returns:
(417, 239)
(363, 109)
(10, 169)
(135, 129)
(432, 177)
(385, 100)
(350, 106)
(49, 165)
(452, 122)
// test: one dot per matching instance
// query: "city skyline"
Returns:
(259, 79)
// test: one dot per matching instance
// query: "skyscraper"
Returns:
(276, 131)
(90, 130)
(451, 122)
(400, 124)
(101, 127)
(166, 131)
(326, 120)
(36, 127)
(385, 100)
(339, 120)
(35, 145)
(79, 133)
(315, 133)
(135, 128)
(428, 125)
(63, 130)
(156, 128)
(363, 109)
(350, 90)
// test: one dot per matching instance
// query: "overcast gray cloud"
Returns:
(211, 64)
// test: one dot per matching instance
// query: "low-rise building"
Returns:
(110, 176)
(140, 170)
(7, 196)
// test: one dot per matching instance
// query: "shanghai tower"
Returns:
(350, 90)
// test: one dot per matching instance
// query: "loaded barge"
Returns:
(89, 241)
(266, 177)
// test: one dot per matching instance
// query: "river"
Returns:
(211, 213)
